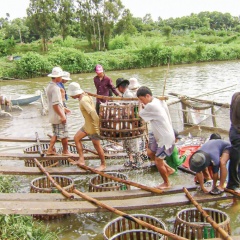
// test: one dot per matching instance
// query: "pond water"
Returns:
(191, 80)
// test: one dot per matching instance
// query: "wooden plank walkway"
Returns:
(25, 139)
(87, 156)
(54, 203)
(71, 170)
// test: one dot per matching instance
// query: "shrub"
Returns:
(119, 42)
(30, 65)
(70, 59)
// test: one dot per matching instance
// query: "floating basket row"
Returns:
(120, 121)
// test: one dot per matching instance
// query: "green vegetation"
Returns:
(77, 35)
(21, 227)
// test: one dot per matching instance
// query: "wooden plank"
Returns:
(22, 139)
(73, 206)
(233, 238)
(87, 156)
(109, 195)
(71, 170)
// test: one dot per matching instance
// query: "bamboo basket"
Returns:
(44, 185)
(120, 121)
(122, 228)
(44, 146)
(103, 184)
(45, 163)
(191, 224)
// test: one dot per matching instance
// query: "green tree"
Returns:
(66, 14)
(97, 19)
(125, 24)
(17, 29)
(167, 30)
(42, 16)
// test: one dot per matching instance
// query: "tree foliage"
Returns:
(97, 19)
(65, 17)
(42, 16)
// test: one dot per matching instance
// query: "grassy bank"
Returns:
(126, 53)
(21, 227)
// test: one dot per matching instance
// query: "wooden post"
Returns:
(185, 114)
(213, 116)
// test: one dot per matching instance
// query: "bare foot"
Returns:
(163, 186)
(49, 153)
(101, 168)
(82, 162)
(221, 188)
(68, 154)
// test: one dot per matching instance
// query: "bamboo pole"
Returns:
(207, 93)
(226, 105)
(62, 190)
(39, 145)
(129, 217)
(232, 192)
(150, 189)
(222, 232)
(119, 98)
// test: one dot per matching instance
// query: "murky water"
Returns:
(192, 80)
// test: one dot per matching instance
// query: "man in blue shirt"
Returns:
(213, 153)
(65, 78)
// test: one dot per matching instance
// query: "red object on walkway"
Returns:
(192, 150)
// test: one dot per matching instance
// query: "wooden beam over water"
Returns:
(71, 170)
(87, 156)
(43, 206)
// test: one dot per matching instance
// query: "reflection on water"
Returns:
(192, 80)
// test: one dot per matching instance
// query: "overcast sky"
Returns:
(139, 8)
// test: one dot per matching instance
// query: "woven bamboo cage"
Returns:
(191, 224)
(102, 184)
(44, 185)
(44, 147)
(122, 228)
(45, 163)
(120, 121)
(35, 148)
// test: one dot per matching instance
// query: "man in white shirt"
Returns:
(161, 139)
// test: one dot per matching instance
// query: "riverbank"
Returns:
(136, 53)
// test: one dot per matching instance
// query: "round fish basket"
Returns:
(44, 185)
(45, 163)
(102, 184)
(35, 148)
(120, 121)
(44, 146)
(123, 228)
(190, 223)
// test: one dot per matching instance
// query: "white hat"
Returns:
(56, 72)
(133, 84)
(74, 89)
(66, 76)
